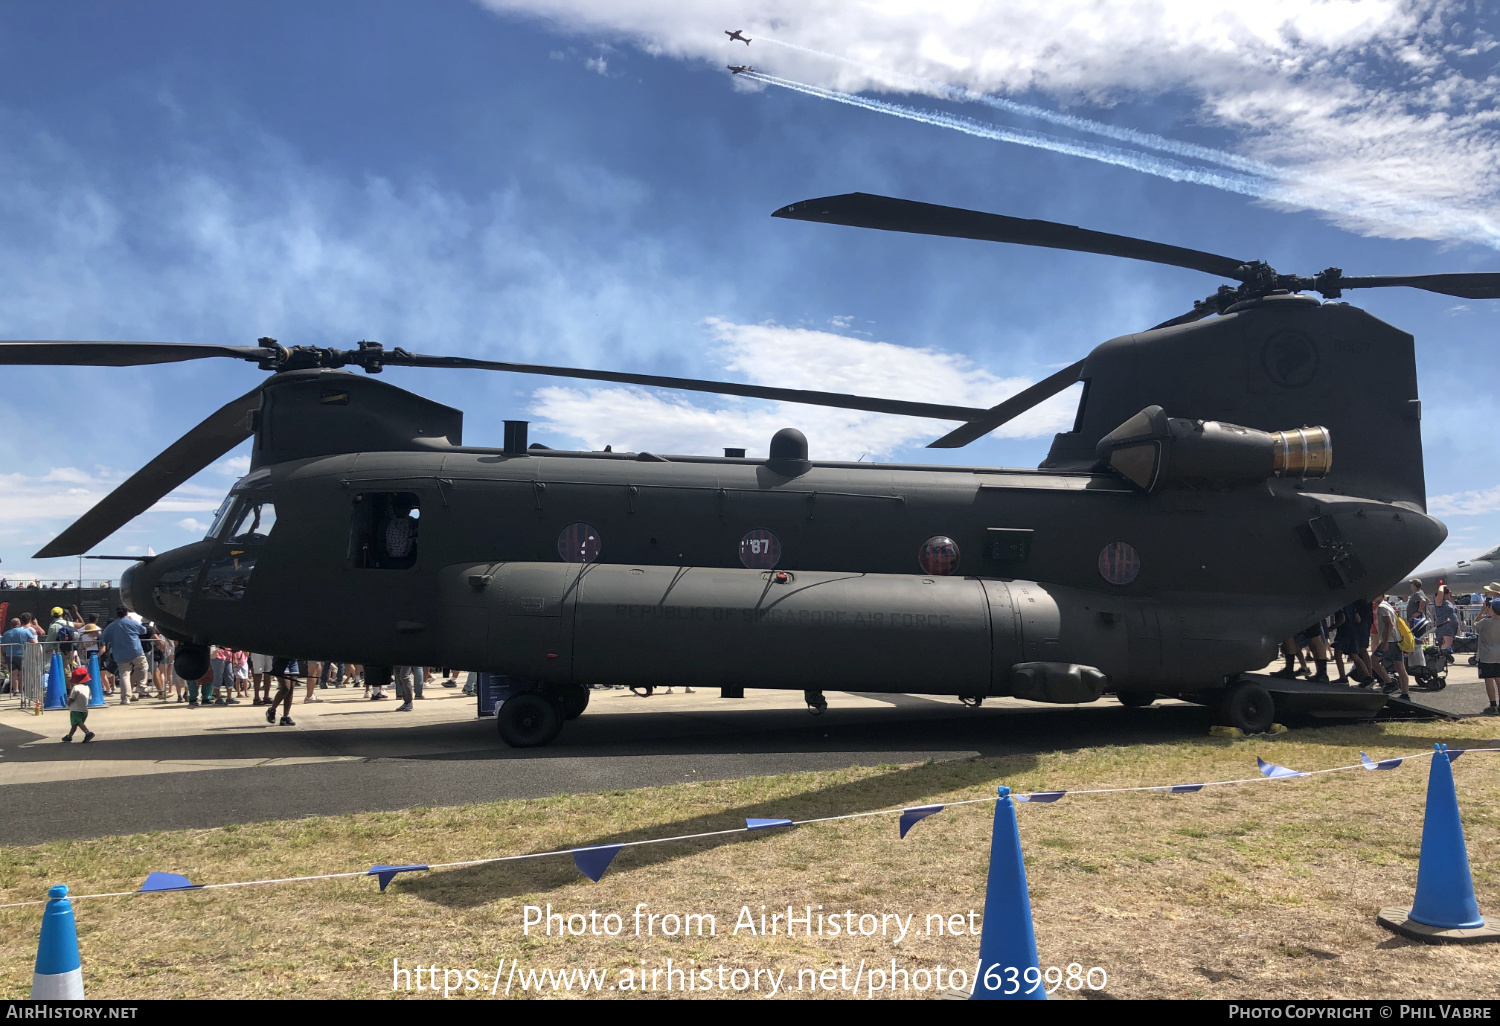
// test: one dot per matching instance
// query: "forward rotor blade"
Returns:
(841, 400)
(117, 354)
(221, 431)
(1010, 409)
(1471, 285)
(861, 210)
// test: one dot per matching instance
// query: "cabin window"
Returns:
(384, 532)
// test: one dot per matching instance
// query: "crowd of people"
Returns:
(135, 663)
(1379, 636)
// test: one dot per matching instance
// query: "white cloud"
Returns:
(1394, 99)
(598, 65)
(1465, 504)
(234, 466)
(37, 507)
(633, 419)
(191, 524)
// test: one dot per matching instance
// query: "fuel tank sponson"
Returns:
(617, 624)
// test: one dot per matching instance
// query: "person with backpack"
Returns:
(61, 634)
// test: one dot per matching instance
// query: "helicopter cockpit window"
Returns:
(220, 516)
(253, 523)
(384, 531)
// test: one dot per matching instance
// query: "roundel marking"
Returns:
(578, 543)
(1290, 358)
(1119, 563)
(938, 556)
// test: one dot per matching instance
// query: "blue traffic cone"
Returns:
(59, 972)
(96, 687)
(1444, 911)
(1007, 942)
(56, 697)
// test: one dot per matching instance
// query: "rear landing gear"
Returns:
(1136, 699)
(1246, 706)
(816, 703)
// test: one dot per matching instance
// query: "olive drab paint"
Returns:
(579, 568)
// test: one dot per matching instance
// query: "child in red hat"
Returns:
(78, 704)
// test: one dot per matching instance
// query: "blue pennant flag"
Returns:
(1371, 764)
(911, 817)
(1453, 754)
(1274, 771)
(592, 862)
(388, 873)
(761, 824)
(168, 882)
(1184, 788)
(1039, 796)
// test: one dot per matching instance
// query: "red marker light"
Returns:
(551, 655)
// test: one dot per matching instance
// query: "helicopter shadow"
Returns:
(473, 886)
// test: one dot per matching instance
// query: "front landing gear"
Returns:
(816, 703)
(530, 720)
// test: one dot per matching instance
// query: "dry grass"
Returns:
(1257, 891)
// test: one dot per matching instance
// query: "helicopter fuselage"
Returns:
(641, 567)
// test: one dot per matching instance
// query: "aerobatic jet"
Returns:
(740, 68)
(737, 34)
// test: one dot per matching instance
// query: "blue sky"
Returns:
(582, 182)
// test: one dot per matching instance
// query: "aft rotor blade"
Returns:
(117, 354)
(862, 210)
(1010, 409)
(840, 400)
(1472, 285)
(221, 431)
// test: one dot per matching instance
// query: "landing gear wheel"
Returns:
(816, 703)
(1248, 707)
(529, 720)
(190, 662)
(572, 700)
(1136, 699)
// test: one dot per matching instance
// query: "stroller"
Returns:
(1427, 664)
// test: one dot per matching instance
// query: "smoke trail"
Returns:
(1327, 196)
(1146, 140)
(1136, 161)
(1314, 192)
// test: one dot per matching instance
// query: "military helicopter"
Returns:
(1191, 518)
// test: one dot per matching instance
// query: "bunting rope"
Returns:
(593, 860)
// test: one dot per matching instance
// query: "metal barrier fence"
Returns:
(27, 684)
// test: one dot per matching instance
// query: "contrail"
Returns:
(1147, 140)
(1337, 199)
(1162, 167)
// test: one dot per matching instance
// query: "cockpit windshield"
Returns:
(221, 515)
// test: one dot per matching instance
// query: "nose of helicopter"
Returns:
(161, 588)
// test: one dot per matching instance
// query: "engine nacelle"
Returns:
(1154, 451)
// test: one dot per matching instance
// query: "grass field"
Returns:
(1264, 890)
